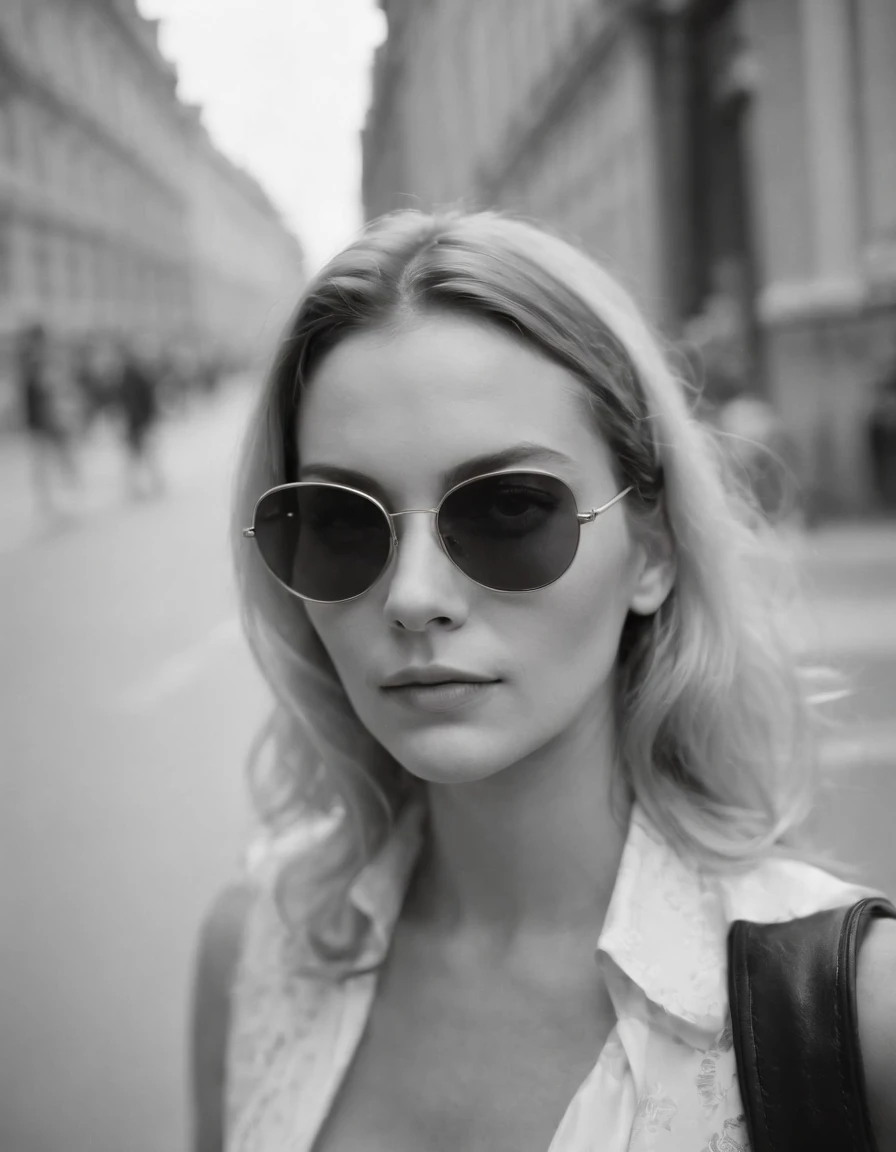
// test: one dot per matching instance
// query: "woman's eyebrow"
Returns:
(526, 452)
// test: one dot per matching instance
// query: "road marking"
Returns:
(177, 671)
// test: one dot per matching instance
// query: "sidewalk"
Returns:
(868, 542)
(849, 620)
(851, 588)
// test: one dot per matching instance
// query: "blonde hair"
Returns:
(717, 732)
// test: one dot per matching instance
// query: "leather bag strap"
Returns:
(792, 995)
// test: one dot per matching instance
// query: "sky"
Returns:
(284, 85)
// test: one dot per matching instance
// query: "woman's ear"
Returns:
(655, 567)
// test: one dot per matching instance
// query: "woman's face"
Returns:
(403, 409)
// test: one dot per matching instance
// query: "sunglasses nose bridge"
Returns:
(408, 511)
(393, 516)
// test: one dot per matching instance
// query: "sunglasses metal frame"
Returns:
(582, 517)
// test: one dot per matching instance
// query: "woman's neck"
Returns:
(529, 853)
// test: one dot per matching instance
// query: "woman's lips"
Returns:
(440, 697)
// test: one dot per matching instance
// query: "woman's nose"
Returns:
(423, 581)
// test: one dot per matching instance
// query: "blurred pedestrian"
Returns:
(139, 404)
(210, 375)
(54, 467)
(882, 438)
(539, 741)
(90, 382)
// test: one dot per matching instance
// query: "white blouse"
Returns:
(666, 1077)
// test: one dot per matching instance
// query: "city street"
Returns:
(128, 705)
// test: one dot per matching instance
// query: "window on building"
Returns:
(25, 258)
(92, 188)
(74, 268)
(60, 258)
(56, 43)
(43, 263)
(22, 134)
(28, 26)
(34, 143)
(101, 184)
(13, 117)
(55, 156)
(88, 269)
(6, 129)
(60, 247)
(90, 55)
(76, 172)
(874, 23)
(719, 257)
(135, 275)
(45, 49)
(6, 255)
(115, 275)
(11, 18)
(101, 272)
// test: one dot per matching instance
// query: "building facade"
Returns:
(733, 161)
(245, 268)
(117, 214)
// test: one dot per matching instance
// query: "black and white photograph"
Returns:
(447, 576)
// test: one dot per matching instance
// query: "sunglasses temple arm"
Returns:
(587, 517)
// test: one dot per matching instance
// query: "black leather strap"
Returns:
(792, 994)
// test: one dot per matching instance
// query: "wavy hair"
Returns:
(717, 729)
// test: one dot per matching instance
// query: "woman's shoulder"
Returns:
(876, 1003)
(222, 933)
(259, 1006)
(217, 959)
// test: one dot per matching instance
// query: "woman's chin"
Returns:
(451, 758)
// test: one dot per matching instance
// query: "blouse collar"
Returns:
(663, 945)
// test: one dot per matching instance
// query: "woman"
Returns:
(539, 737)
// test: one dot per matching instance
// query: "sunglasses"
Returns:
(507, 531)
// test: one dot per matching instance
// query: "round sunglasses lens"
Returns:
(323, 542)
(514, 532)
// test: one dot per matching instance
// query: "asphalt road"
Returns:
(128, 705)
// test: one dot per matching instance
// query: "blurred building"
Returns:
(245, 266)
(117, 214)
(734, 161)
